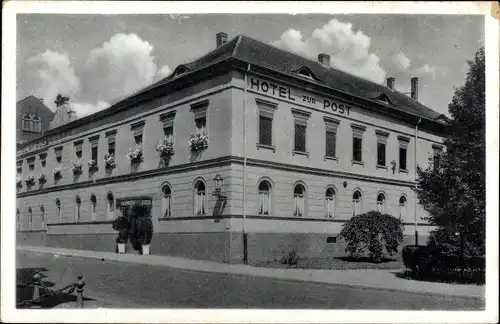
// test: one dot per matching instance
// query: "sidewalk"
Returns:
(378, 279)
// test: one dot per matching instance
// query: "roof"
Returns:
(270, 57)
(34, 106)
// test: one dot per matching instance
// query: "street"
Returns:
(146, 286)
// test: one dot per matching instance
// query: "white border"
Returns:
(10, 314)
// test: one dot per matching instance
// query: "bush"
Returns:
(122, 225)
(411, 256)
(290, 259)
(144, 230)
(372, 232)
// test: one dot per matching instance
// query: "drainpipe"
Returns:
(245, 241)
(415, 179)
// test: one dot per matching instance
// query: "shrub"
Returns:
(144, 227)
(372, 232)
(411, 255)
(290, 259)
(121, 224)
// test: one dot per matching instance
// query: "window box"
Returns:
(109, 161)
(92, 165)
(165, 149)
(19, 183)
(135, 155)
(30, 181)
(77, 168)
(41, 178)
(198, 142)
(57, 173)
(267, 147)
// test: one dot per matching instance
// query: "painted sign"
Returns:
(133, 201)
(291, 94)
(32, 147)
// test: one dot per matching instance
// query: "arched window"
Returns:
(111, 205)
(264, 198)
(93, 207)
(37, 124)
(78, 208)
(356, 203)
(18, 219)
(402, 208)
(200, 198)
(42, 214)
(58, 207)
(27, 123)
(299, 197)
(330, 202)
(381, 203)
(30, 218)
(166, 201)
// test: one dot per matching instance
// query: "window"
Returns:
(436, 150)
(357, 143)
(58, 153)
(42, 213)
(111, 137)
(300, 119)
(43, 159)
(330, 202)
(31, 166)
(93, 207)
(403, 145)
(110, 210)
(266, 115)
(331, 136)
(137, 129)
(402, 208)
(200, 116)
(200, 203)
(78, 148)
(58, 209)
(27, 123)
(381, 203)
(166, 201)
(30, 218)
(78, 208)
(93, 153)
(94, 144)
(299, 200)
(264, 198)
(381, 145)
(18, 219)
(201, 125)
(167, 120)
(37, 124)
(356, 203)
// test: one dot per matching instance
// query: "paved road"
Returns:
(135, 285)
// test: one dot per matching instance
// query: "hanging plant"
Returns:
(77, 168)
(30, 180)
(57, 173)
(92, 165)
(19, 182)
(41, 178)
(165, 149)
(198, 142)
(135, 155)
(109, 161)
(393, 164)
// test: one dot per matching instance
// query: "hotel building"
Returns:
(297, 148)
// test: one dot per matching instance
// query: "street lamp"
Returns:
(218, 184)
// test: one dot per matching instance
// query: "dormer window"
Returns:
(32, 124)
(37, 124)
(305, 72)
(180, 70)
(27, 123)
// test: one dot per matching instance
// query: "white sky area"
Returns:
(97, 60)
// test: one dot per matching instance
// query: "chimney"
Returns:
(414, 88)
(324, 59)
(391, 82)
(220, 39)
(60, 100)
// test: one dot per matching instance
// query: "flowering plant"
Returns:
(77, 168)
(135, 155)
(198, 142)
(19, 182)
(165, 148)
(30, 180)
(92, 164)
(41, 178)
(57, 172)
(393, 163)
(109, 161)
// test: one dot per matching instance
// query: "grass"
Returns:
(335, 263)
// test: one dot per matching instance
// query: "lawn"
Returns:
(335, 263)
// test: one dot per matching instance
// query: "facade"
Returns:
(33, 118)
(298, 146)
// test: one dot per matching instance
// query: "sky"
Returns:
(97, 60)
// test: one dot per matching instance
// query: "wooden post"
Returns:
(79, 292)
(36, 289)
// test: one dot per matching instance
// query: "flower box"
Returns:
(92, 165)
(57, 173)
(77, 168)
(135, 155)
(30, 180)
(165, 148)
(109, 161)
(198, 142)
(19, 183)
(41, 178)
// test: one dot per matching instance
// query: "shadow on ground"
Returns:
(453, 278)
(24, 290)
(335, 263)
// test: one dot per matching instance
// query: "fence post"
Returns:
(36, 289)
(79, 292)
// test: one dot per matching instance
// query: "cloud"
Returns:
(349, 50)
(53, 74)
(84, 109)
(401, 61)
(163, 72)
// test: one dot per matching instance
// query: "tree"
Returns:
(453, 190)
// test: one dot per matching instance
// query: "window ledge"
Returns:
(358, 163)
(381, 166)
(300, 153)
(403, 171)
(334, 158)
(265, 146)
